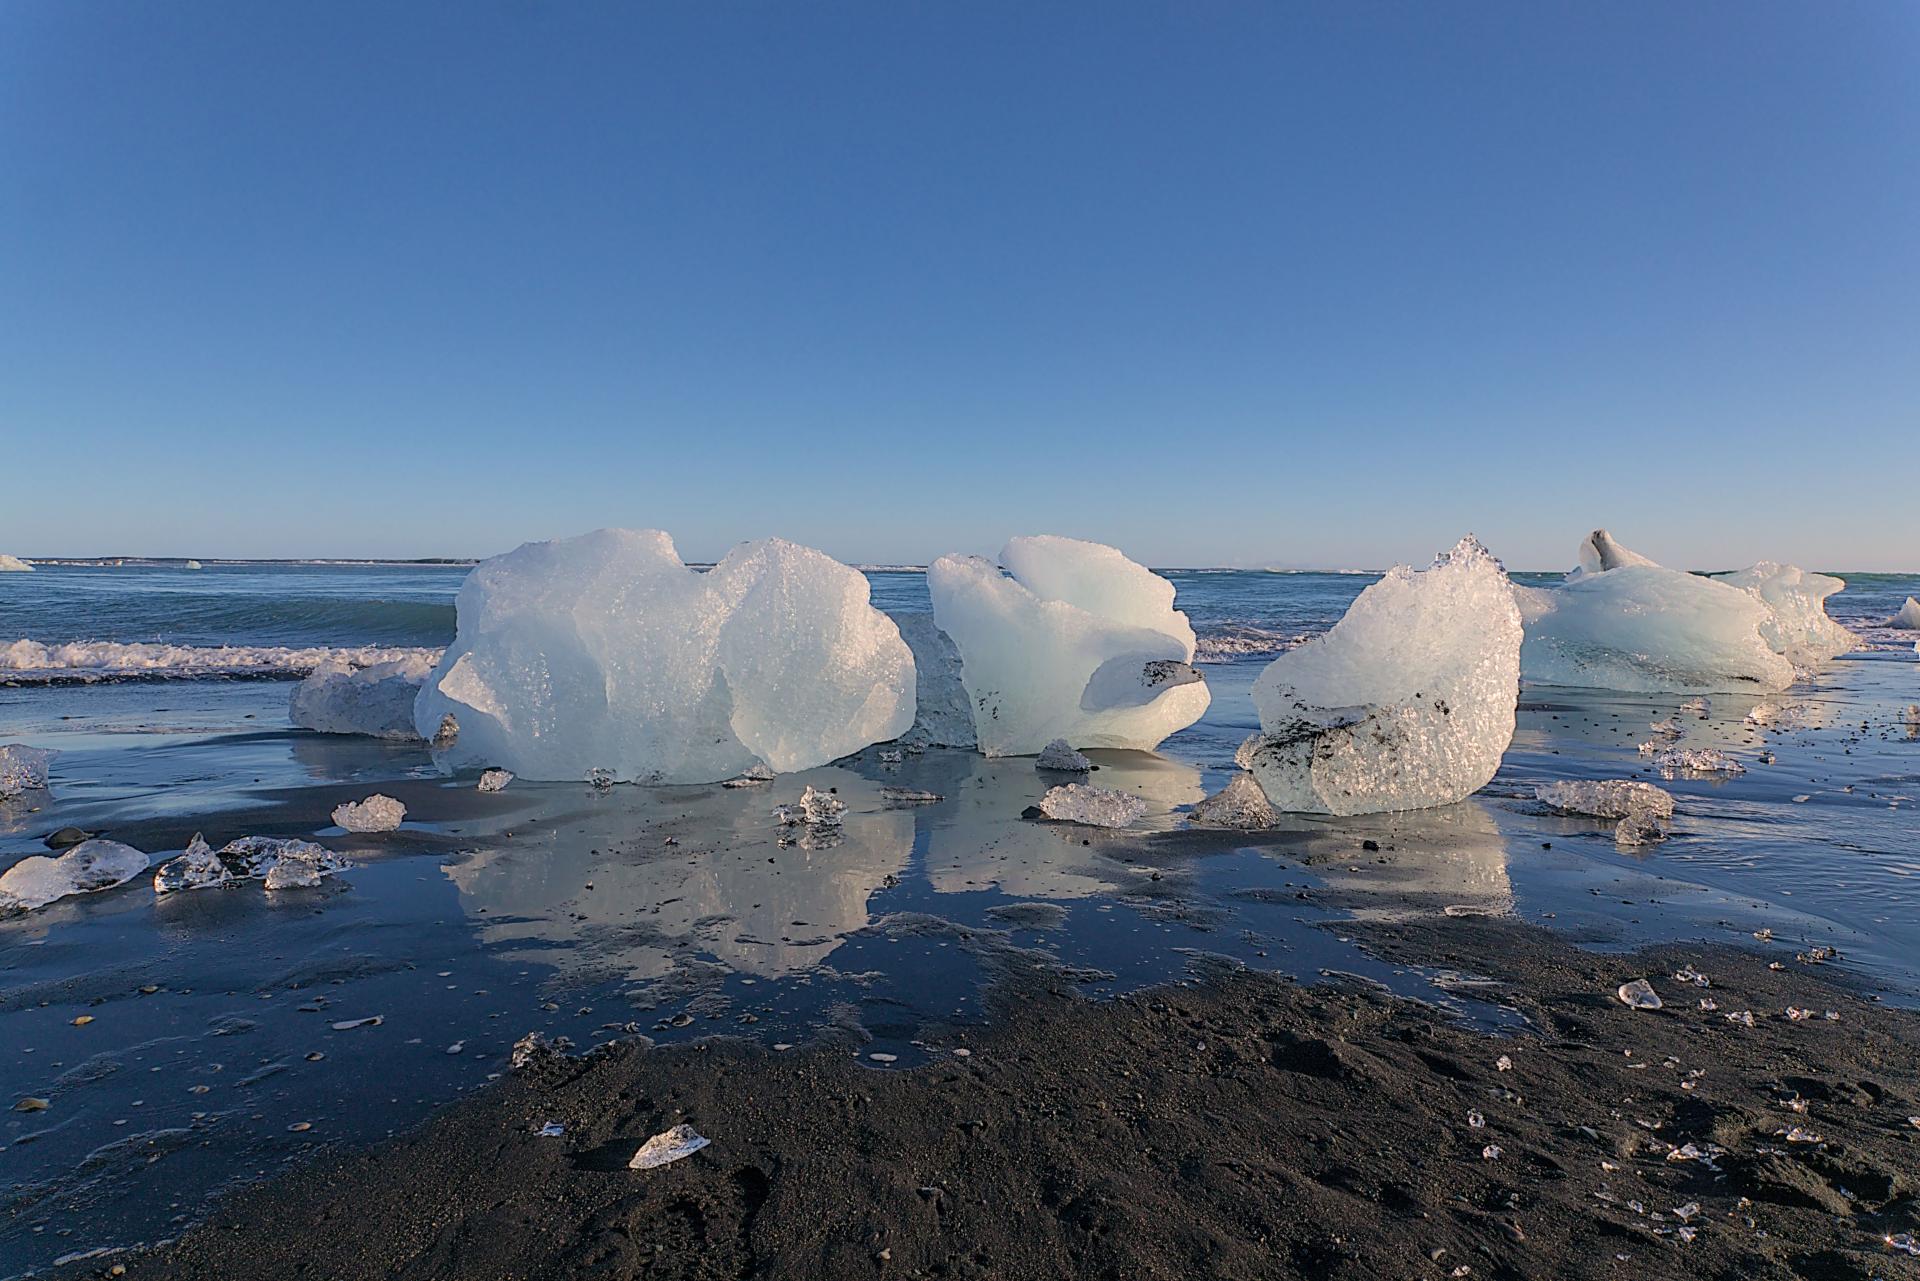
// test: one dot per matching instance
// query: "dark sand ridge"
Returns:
(1243, 1127)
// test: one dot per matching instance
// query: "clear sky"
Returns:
(1302, 284)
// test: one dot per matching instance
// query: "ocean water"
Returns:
(674, 913)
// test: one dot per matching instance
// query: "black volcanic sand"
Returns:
(1239, 1127)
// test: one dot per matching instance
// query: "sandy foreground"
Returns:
(1238, 1126)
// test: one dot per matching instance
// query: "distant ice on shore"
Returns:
(13, 565)
(28, 662)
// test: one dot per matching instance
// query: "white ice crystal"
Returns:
(1622, 622)
(282, 862)
(494, 780)
(23, 769)
(815, 808)
(1240, 804)
(1093, 806)
(1057, 755)
(36, 880)
(1908, 616)
(1073, 641)
(375, 814)
(1407, 702)
(338, 697)
(606, 652)
(13, 565)
(1613, 798)
(1696, 760)
(1799, 627)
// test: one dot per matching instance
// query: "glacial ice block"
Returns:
(281, 862)
(1908, 616)
(1623, 622)
(606, 652)
(1093, 806)
(1799, 626)
(1240, 804)
(23, 769)
(13, 565)
(1073, 641)
(341, 698)
(36, 880)
(375, 814)
(1406, 703)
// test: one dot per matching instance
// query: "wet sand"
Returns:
(1238, 1126)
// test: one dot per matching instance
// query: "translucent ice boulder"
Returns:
(36, 881)
(1093, 806)
(338, 697)
(1240, 804)
(606, 652)
(1907, 617)
(23, 769)
(1406, 703)
(1073, 641)
(1643, 810)
(1799, 627)
(1622, 622)
(13, 565)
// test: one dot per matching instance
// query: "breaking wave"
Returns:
(1240, 640)
(29, 662)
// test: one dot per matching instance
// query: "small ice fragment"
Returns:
(1241, 805)
(1475, 1120)
(1801, 1134)
(1059, 755)
(753, 776)
(814, 809)
(1503, 1064)
(1639, 995)
(347, 1025)
(536, 1047)
(1907, 618)
(1905, 1242)
(1697, 760)
(1686, 1213)
(1614, 798)
(891, 756)
(879, 1057)
(667, 1147)
(22, 769)
(601, 780)
(1743, 1017)
(196, 868)
(375, 814)
(1093, 806)
(493, 780)
(551, 1130)
(1699, 707)
(899, 797)
(1797, 1015)
(458, 1047)
(1687, 974)
(1491, 1152)
(87, 868)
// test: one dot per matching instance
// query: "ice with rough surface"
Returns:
(667, 1147)
(339, 697)
(90, 866)
(1406, 703)
(1073, 641)
(1057, 755)
(13, 565)
(1696, 760)
(1240, 804)
(1799, 626)
(23, 769)
(375, 814)
(494, 780)
(282, 862)
(1093, 806)
(1622, 622)
(815, 808)
(1638, 994)
(1612, 798)
(1908, 617)
(605, 651)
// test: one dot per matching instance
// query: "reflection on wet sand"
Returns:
(1448, 859)
(634, 883)
(977, 840)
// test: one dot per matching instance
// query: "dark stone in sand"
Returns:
(67, 838)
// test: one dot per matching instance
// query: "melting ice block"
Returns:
(1406, 703)
(23, 769)
(1094, 806)
(1622, 622)
(282, 862)
(606, 652)
(13, 565)
(1799, 626)
(36, 881)
(1073, 641)
(338, 697)
(375, 814)
(1058, 756)
(1643, 809)
(1240, 804)
(1908, 616)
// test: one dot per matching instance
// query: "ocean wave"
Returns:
(29, 662)
(1239, 640)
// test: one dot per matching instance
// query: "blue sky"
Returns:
(1302, 284)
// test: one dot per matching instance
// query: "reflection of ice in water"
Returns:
(977, 840)
(1447, 858)
(726, 890)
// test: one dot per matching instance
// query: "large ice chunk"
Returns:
(1407, 702)
(13, 565)
(1907, 617)
(36, 881)
(1796, 600)
(23, 769)
(1623, 622)
(1077, 643)
(341, 698)
(606, 652)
